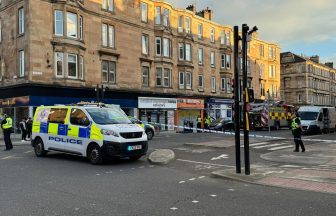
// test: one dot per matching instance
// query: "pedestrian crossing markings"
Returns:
(269, 146)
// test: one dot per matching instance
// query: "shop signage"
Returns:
(190, 103)
(14, 102)
(157, 103)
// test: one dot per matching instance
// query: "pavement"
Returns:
(313, 170)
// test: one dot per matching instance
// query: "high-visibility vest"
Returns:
(9, 123)
(294, 125)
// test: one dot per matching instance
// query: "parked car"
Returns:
(149, 129)
(222, 124)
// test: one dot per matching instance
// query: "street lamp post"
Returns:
(102, 90)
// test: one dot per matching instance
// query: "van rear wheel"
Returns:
(95, 155)
(39, 148)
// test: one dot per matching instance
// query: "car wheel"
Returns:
(95, 155)
(39, 148)
(135, 158)
(150, 134)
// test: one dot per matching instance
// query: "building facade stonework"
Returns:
(306, 81)
(133, 48)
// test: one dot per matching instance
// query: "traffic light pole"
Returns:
(245, 30)
(236, 99)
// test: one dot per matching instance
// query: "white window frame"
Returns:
(0, 32)
(202, 79)
(228, 38)
(228, 85)
(108, 5)
(223, 84)
(166, 77)
(187, 25)
(200, 31)
(143, 76)
(144, 12)
(166, 12)
(81, 26)
(188, 52)
(56, 66)
(228, 61)
(158, 39)
(181, 51)
(76, 25)
(212, 59)
(212, 35)
(22, 63)
(200, 56)
(145, 44)
(104, 35)
(76, 61)
(213, 84)
(166, 47)
(59, 22)
(223, 58)
(21, 20)
(108, 35)
(222, 37)
(158, 15)
(188, 80)
(181, 80)
(180, 24)
(81, 67)
(109, 70)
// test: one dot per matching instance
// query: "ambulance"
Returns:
(88, 130)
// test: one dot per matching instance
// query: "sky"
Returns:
(305, 27)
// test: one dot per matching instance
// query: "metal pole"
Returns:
(97, 92)
(245, 29)
(102, 93)
(236, 99)
(268, 113)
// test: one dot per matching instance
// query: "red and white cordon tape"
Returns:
(264, 117)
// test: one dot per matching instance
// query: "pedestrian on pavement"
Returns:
(7, 127)
(29, 124)
(23, 128)
(296, 131)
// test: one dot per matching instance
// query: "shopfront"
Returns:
(159, 111)
(187, 112)
(220, 108)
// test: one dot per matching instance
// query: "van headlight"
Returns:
(109, 132)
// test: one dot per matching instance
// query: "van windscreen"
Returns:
(309, 116)
(105, 116)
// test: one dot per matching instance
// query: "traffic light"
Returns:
(251, 95)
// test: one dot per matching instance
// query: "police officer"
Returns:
(296, 131)
(7, 126)
(199, 124)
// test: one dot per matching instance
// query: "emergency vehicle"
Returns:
(274, 116)
(89, 130)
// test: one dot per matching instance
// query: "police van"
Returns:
(93, 131)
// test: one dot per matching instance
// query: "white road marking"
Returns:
(195, 201)
(197, 162)
(133, 168)
(28, 152)
(231, 189)
(173, 208)
(265, 146)
(181, 182)
(281, 147)
(290, 166)
(223, 156)
(151, 166)
(97, 174)
(213, 195)
(192, 179)
(256, 144)
(121, 170)
(201, 177)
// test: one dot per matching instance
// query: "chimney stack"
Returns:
(315, 58)
(192, 8)
(330, 64)
(206, 14)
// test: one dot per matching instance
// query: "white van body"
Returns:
(315, 119)
(80, 130)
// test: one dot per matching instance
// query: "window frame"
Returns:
(200, 31)
(56, 21)
(143, 76)
(81, 26)
(21, 21)
(166, 17)
(187, 21)
(76, 25)
(166, 50)
(188, 52)
(188, 80)
(21, 63)
(212, 35)
(158, 44)
(212, 59)
(200, 86)
(213, 84)
(76, 62)
(158, 17)
(181, 51)
(56, 64)
(200, 56)
(145, 44)
(181, 80)
(180, 24)
(144, 17)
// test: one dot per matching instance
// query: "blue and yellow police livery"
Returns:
(90, 131)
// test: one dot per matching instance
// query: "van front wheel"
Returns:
(95, 155)
(39, 148)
